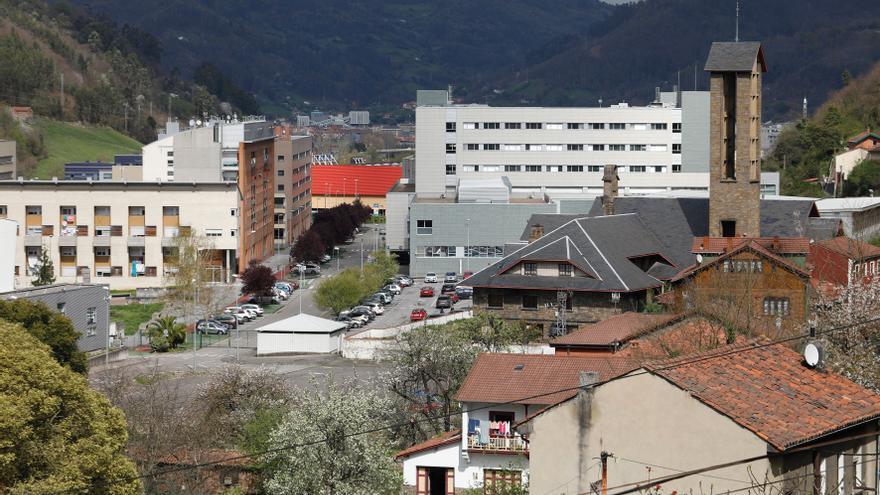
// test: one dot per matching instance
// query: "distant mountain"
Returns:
(808, 45)
(374, 53)
(354, 52)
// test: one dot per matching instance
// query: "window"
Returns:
(637, 168)
(676, 169)
(575, 125)
(728, 228)
(555, 127)
(450, 127)
(470, 168)
(776, 306)
(616, 147)
(676, 148)
(658, 127)
(281, 173)
(170, 153)
(638, 147)
(554, 168)
(575, 147)
(534, 125)
(529, 302)
(676, 127)
(596, 125)
(439, 251)
(424, 227)
(502, 478)
(598, 147)
(616, 126)
(473, 147)
(484, 251)
(496, 299)
(565, 270)
(62, 306)
(512, 147)
(491, 125)
(213, 232)
(513, 168)
(470, 125)
(530, 268)
(450, 169)
(490, 168)
(555, 147)
(575, 168)
(3, 211)
(233, 212)
(278, 234)
(594, 168)
(279, 218)
(450, 147)
(533, 168)
(534, 147)
(92, 316)
(491, 147)
(280, 187)
(657, 147)
(279, 158)
(512, 125)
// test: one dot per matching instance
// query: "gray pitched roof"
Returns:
(601, 246)
(730, 56)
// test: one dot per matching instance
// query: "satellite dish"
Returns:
(192, 122)
(814, 354)
(699, 259)
(199, 122)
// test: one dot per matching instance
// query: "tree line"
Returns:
(330, 228)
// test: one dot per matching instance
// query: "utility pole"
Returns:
(302, 289)
(603, 457)
(62, 96)
(362, 255)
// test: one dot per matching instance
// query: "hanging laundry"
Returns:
(473, 426)
(484, 431)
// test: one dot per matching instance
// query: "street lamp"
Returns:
(356, 188)
(336, 250)
(467, 223)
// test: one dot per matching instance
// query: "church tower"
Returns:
(735, 70)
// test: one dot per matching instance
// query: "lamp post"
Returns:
(336, 250)
(356, 188)
(362, 255)
(326, 192)
(302, 288)
(467, 223)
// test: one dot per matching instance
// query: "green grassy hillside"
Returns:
(67, 142)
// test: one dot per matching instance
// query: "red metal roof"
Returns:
(348, 180)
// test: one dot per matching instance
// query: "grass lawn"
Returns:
(67, 142)
(130, 316)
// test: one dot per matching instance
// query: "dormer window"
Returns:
(536, 233)
(565, 270)
(530, 268)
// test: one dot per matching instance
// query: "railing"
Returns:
(501, 443)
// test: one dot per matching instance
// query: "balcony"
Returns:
(498, 444)
(33, 240)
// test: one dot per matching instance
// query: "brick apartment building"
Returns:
(256, 183)
(292, 207)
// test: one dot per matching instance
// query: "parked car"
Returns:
(255, 300)
(212, 327)
(403, 280)
(450, 278)
(426, 292)
(362, 311)
(254, 307)
(454, 297)
(444, 302)
(298, 268)
(466, 275)
(239, 315)
(418, 314)
(375, 307)
(236, 310)
(430, 278)
(385, 297)
(281, 294)
(464, 292)
(326, 258)
(354, 321)
(447, 289)
(394, 288)
(288, 287)
(229, 320)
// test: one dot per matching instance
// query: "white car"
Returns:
(375, 307)
(240, 315)
(253, 307)
(280, 294)
(394, 288)
(430, 278)
(251, 315)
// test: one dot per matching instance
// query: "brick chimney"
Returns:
(609, 189)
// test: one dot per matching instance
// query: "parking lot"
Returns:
(398, 312)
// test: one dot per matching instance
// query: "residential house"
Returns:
(867, 140)
(859, 217)
(8, 160)
(863, 146)
(499, 391)
(841, 262)
(770, 417)
(219, 472)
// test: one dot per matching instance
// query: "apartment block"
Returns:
(256, 183)
(7, 159)
(293, 191)
(121, 234)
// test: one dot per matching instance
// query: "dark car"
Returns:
(444, 302)
(362, 311)
(227, 320)
(464, 292)
(447, 289)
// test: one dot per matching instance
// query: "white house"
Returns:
(499, 391)
(300, 333)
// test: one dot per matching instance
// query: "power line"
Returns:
(676, 364)
(679, 470)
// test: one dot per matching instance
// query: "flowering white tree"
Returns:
(845, 322)
(335, 460)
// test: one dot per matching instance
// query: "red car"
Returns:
(418, 314)
(454, 297)
(466, 275)
(426, 292)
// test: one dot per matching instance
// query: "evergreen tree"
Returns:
(45, 270)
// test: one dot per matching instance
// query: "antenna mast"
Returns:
(736, 38)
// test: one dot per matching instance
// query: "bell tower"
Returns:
(735, 70)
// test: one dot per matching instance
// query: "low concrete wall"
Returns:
(372, 343)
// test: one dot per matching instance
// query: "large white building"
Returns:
(562, 151)
(118, 233)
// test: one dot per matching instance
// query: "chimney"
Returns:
(587, 378)
(609, 189)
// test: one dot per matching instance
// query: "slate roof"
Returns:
(616, 329)
(733, 56)
(853, 249)
(446, 438)
(768, 390)
(498, 378)
(600, 246)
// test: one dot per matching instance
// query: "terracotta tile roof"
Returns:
(618, 328)
(219, 457)
(851, 248)
(858, 138)
(372, 180)
(445, 438)
(779, 245)
(768, 390)
(520, 378)
(685, 337)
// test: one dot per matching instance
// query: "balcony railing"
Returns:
(498, 443)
